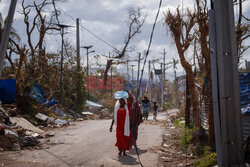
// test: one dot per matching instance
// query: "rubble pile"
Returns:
(96, 111)
(16, 132)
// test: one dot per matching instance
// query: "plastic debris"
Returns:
(61, 122)
(59, 112)
(50, 120)
(16, 147)
(93, 104)
(41, 116)
(79, 119)
(10, 134)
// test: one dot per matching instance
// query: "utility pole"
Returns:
(6, 34)
(87, 48)
(127, 70)
(162, 93)
(149, 73)
(164, 64)
(111, 81)
(226, 91)
(138, 72)
(164, 73)
(175, 82)
(62, 26)
(78, 68)
(132, 76)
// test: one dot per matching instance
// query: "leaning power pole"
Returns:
(6, 34)
(225, 84)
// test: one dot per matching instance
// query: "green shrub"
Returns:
(210, 159)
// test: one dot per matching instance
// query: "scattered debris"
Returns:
(49, 134)
(59, 112)
(79, 119)
(16, 147)
(29, 141)
(88, 115)
(41, 117)
(74, 114)
(50, 120)
(93, 104)
(24, 124)
(61, 122)
(10, 134)
(30, 133)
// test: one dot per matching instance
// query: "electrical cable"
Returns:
(138, 88)
(96, 36)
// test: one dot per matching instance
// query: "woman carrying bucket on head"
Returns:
(121, 119)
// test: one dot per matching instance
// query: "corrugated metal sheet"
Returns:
(7, 90)
(245, 101)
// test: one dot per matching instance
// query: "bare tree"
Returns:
(135, 22)
(37, 20)
(181, 30)
(202, 36)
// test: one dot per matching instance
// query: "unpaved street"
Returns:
(88, 143)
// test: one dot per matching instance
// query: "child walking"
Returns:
(155, 107)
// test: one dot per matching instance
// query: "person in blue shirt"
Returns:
(145, 107)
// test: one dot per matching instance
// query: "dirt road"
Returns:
(88, 143)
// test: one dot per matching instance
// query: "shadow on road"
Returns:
(127, 160)
(130, 160)
(132, 151)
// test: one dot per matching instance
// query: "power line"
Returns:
(96, 36)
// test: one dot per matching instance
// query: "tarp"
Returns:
(7, 91)
(38, 94)
(245, 92)
(93, 104)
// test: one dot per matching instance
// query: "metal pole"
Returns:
(61, 77)
(138, 72)
(162, 101)
(6, 34)
(164, 67)
(79, 85)
(111, 82)
(132, 76)
(215, 88)
(88, 67)
(150, 94)
(78, 45)
(229, 93)
(164, 73)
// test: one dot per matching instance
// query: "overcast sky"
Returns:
(106, 18)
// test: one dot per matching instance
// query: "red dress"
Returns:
(122, 142)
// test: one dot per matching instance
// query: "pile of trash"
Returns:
(16, 132)
(96, 111)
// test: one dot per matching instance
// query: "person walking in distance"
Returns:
(145, 107)
(155, 107)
